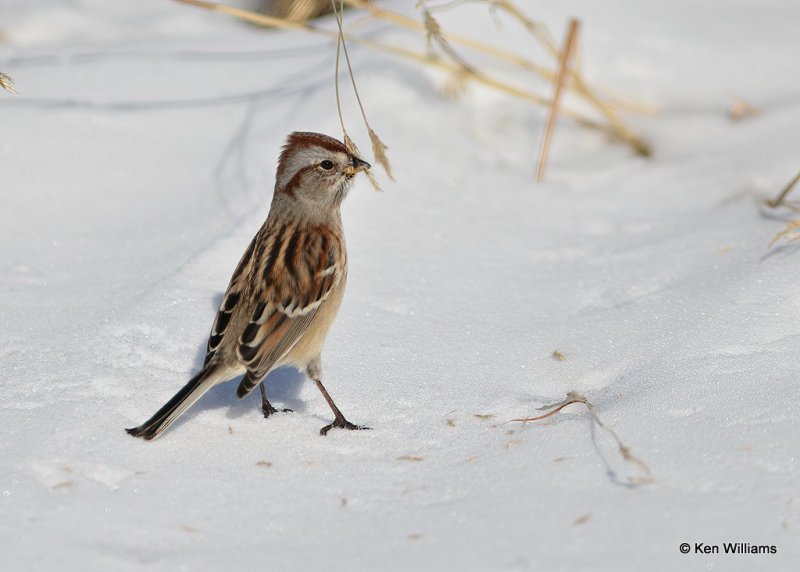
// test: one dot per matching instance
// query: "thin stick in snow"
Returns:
(624, 450)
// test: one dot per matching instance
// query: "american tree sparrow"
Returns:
(288, 286)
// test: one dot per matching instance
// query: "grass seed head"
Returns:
(379, 152)
(7, 83)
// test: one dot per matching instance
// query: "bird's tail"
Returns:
(205, 379)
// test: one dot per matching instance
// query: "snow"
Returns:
(137, 162)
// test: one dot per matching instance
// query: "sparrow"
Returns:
(288, 286)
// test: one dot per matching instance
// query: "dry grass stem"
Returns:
(336, 83)
(624, 450)
(536, 29)
(412, 458)
(435, 36)
(298, 10)
(552, 115)
(404, 21)
(556, 408)
(7, 83)
(790, 233)
(615, 129)
(378, 147)
(252, 17)
(540, 33)
(778, 201)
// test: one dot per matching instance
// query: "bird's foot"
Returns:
(269, 410)
(342, 423)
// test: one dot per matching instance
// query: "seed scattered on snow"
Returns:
(742, 110)
(63, 485)
(582, 519)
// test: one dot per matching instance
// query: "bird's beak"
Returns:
(356, 166)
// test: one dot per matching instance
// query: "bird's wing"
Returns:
(230, 300)
(302, 268)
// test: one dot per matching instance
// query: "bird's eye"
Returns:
(327, 165)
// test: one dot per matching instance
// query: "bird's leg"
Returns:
(266, 407)
(339, 420)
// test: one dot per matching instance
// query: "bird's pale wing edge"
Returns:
(275, 328)
(274, 338)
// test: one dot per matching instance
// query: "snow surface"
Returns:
(138, 161)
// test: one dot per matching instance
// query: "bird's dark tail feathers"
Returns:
(248, 384)
(180, 402)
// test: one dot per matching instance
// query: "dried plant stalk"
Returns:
(790, 233)
(558, 407)
(778, 201)
(613, 129)
(378, 147)
(381, 13)
(552, 115)
(252, 17)
(624, 450)
(539, 32)
(436, 36)
(298, 10)
(7, 83)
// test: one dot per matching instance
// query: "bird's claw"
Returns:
(342, 423)
(267, 411)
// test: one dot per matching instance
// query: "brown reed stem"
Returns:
(778, 201)
(552, 115)
(479, 77)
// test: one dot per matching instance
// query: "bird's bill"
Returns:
(356, 166)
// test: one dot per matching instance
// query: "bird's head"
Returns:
(316, 169)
